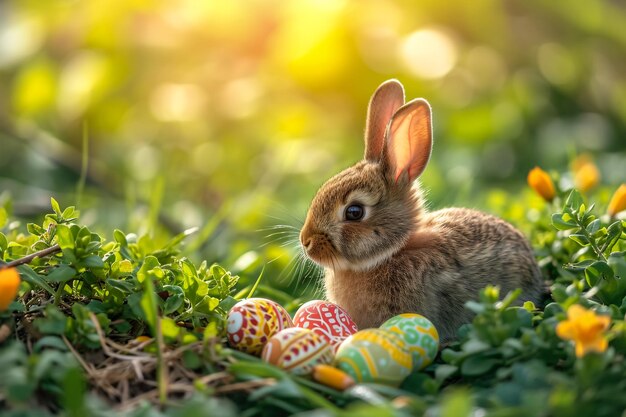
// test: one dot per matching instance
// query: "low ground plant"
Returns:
(120, 325)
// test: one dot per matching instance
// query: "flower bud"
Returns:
(9, 284)
(540, 181)
(618, 201)
(586, 173)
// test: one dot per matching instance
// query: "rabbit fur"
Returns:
(399, 257)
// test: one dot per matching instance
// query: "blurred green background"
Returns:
(227, 115)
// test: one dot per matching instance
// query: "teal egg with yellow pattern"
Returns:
(419, 335)
(375, 355)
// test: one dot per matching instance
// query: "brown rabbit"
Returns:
(385, 254)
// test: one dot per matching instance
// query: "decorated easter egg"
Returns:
(252, 322)
(419, 334)
(328, 320)
(297, 350)
(375, 355)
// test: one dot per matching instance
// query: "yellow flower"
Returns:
(585, 328)
(9, 284)
(586, 173)
(540, 181)
(618, 201)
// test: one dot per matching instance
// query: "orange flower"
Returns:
(540, 181)
(585, 328)
(332, 377)
(9, 284)
(618, 201)
(586, 174)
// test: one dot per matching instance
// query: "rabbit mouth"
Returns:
(320, 249)
(330, 261)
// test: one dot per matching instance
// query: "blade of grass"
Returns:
(156, 197)
(162, 377)
(280, 297)
(209, 228)
(84, 166)
(256, 284)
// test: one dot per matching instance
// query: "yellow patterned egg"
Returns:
(297, 350)
(419, 334)
(252, 322)
(375, 355)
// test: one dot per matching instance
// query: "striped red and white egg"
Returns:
(326, 319)
(297, 350)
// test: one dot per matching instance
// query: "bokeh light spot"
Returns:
(81, 82)
(19, 38)
(429, 53)
(177, 102)
(556, 64)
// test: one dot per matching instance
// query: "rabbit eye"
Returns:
(354, 212)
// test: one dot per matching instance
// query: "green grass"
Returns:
(131, 326)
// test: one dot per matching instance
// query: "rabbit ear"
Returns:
(410, 139)
(386, 100)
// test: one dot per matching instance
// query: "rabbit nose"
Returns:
(307, 242)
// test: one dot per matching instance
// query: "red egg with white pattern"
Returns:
(252, 322)
(326, 319)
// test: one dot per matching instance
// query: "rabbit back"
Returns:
(453, 255)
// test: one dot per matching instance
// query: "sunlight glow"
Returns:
(82, 81)
(177, 102)
(429, 53)
(19, 38)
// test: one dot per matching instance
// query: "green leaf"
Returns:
(54, 321)
(3, 243)
(560, 223)
(574, 200)
(477, 365)
(149, 268)
(175, 299)
(149, 304)
(594, 226)
(457, 403)
(55, 206)
(70, 214)
(34, 279)
(443, 372)
(35, 229)
(614, 232)
(192, 360)
(120, 237)
(580, 239)
(74, 388)
(227, 303)
(475, 306)
(597, 271)
(50, 342)
(93, 261)
(210, 331)
(65, 237)
(169, 328)
(61, 273)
